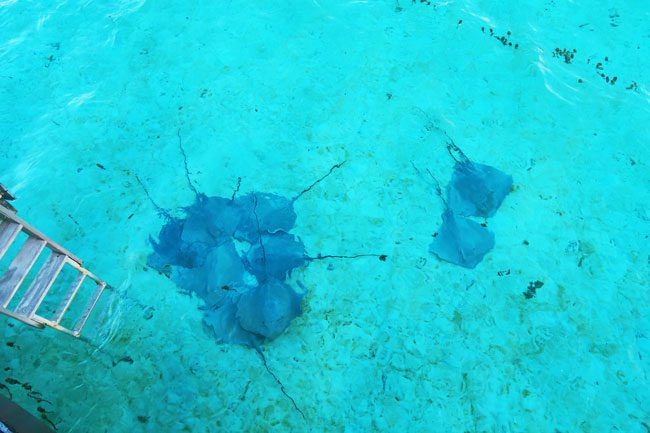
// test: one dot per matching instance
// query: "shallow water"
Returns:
(276, 94)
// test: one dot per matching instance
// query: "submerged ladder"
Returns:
(10, 226)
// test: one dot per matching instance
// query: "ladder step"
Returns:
(10, 281)
(89, 308)
(69, 296)
(41, 284)
(8, 232)
(18, 269)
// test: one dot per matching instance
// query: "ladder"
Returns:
(10, 226)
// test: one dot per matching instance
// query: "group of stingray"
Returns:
(236, 254)
(475, 190)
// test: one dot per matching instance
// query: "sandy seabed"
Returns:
(276, 94)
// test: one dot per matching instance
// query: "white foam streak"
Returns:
(81, 99)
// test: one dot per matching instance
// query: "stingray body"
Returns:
(461, 241)
(267, 309)
(477, 189)
(235, 254)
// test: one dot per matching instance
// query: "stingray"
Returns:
(267, 309)
(225, 325)
(260, 313)
(461, 241)
(477, 189)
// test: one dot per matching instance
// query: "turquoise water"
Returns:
(276, 94)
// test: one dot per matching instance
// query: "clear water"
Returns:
(278, 92)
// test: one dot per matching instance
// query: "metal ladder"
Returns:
(10, 226)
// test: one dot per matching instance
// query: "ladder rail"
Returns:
(90, 306)
(11, 216)
(80, 268)
(8, 232)
(25, 320)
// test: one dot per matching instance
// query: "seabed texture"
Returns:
(550, 332)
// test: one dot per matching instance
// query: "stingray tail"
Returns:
(436, 183)
(334, 167)
(455, 151)
(234, 193)
(431, 124)
(259, 234)
(266, 366)
(161, 211)
(381, 257)
(187, 171)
